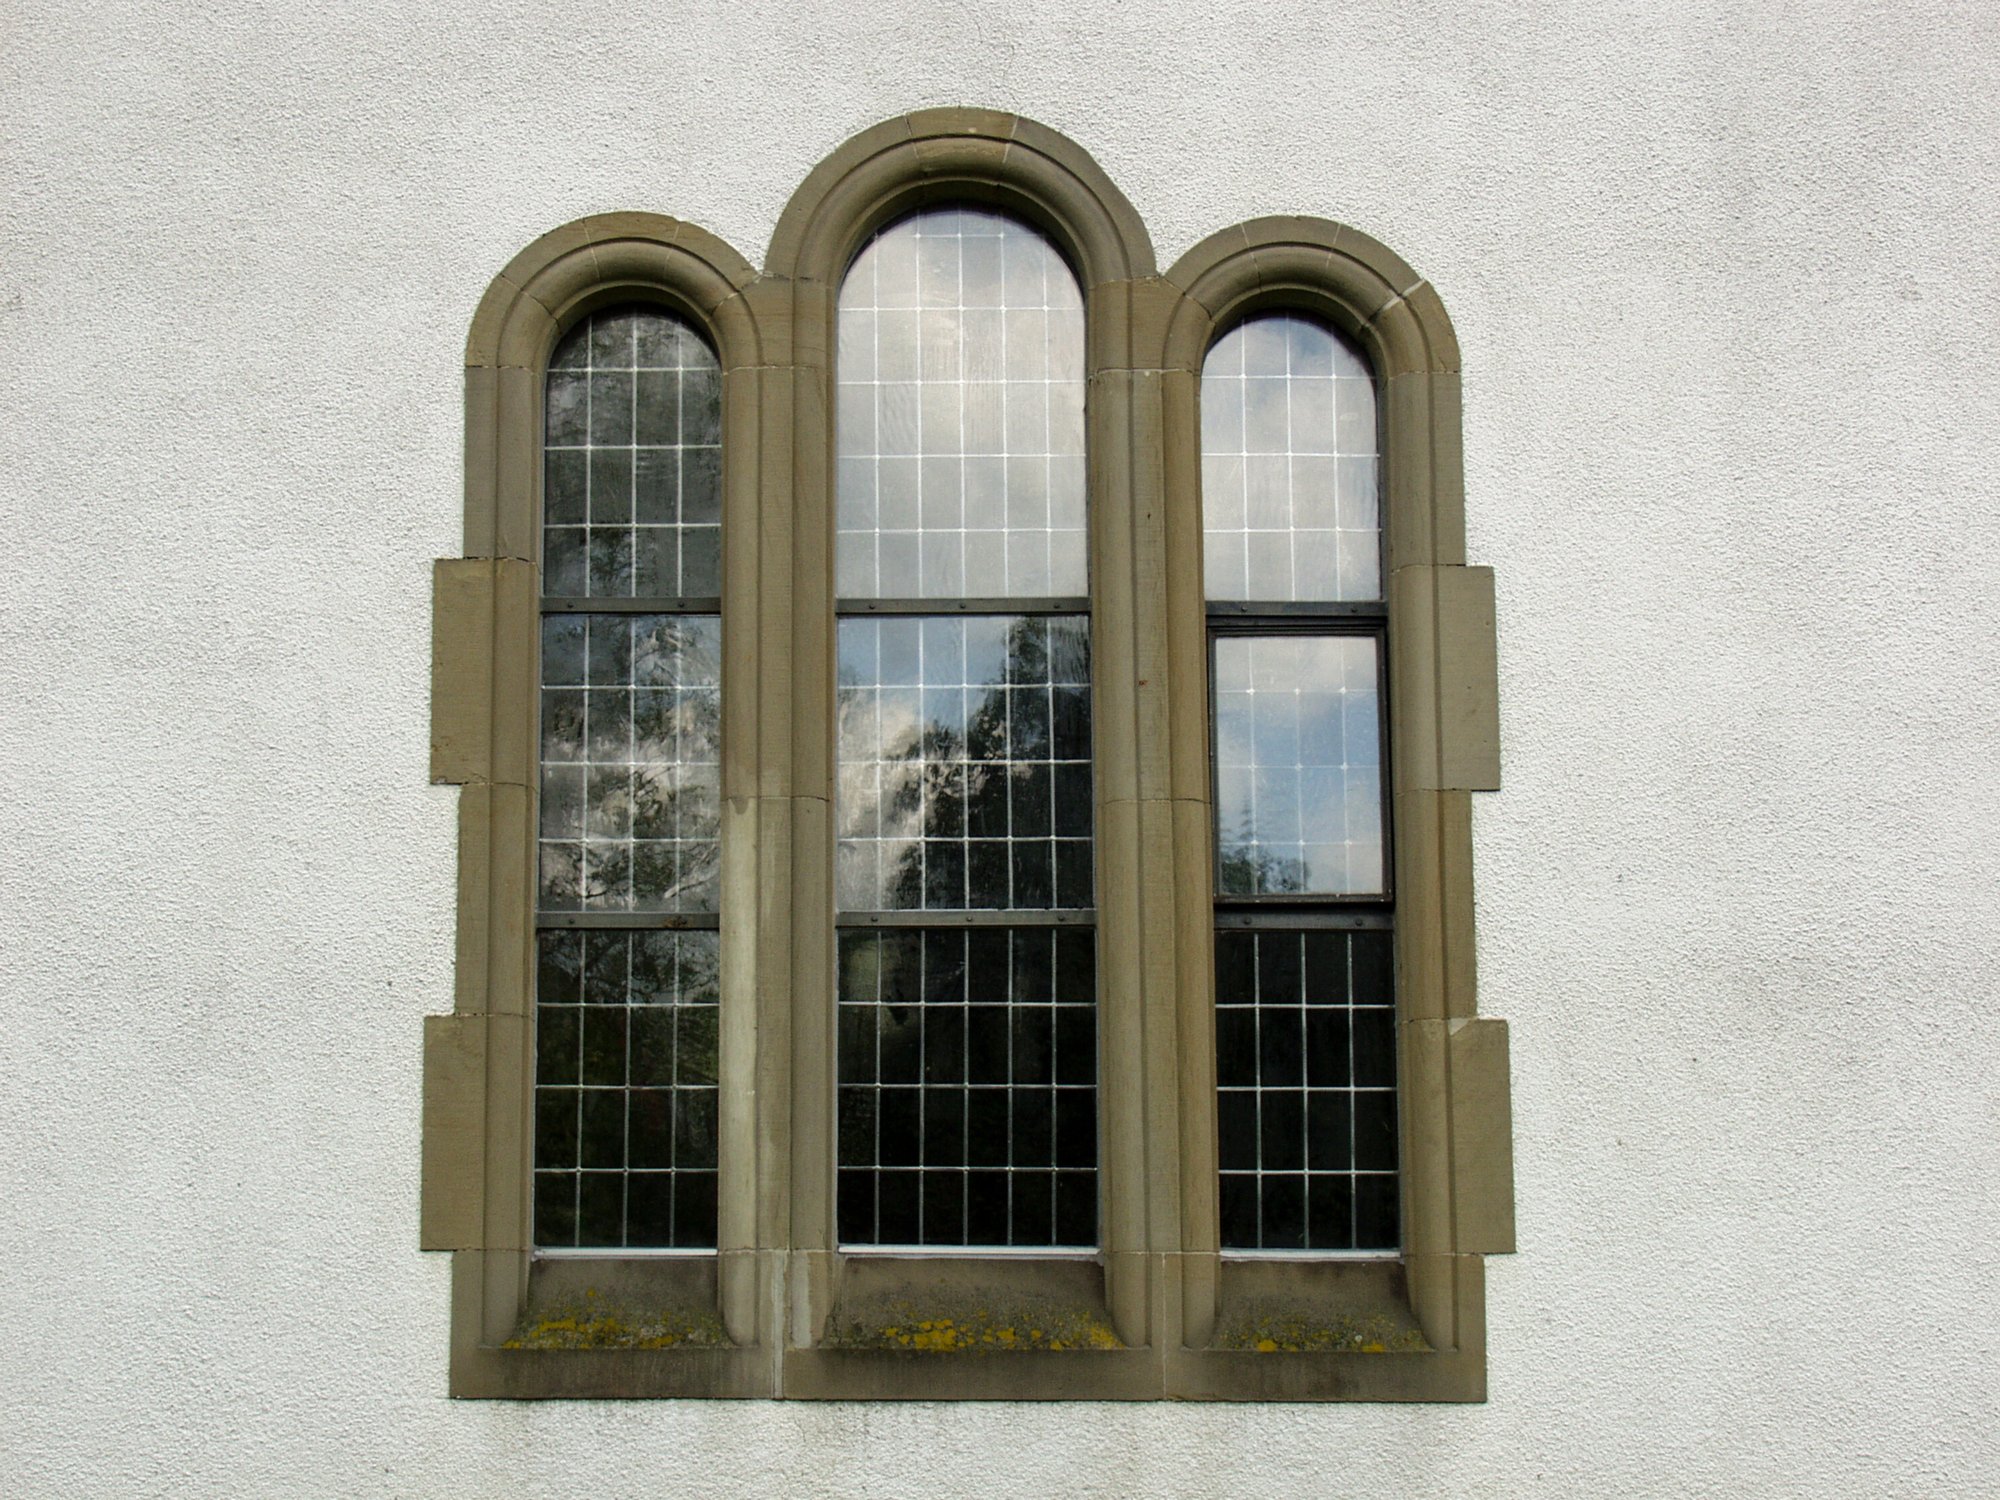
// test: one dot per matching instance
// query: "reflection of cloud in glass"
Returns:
(959, 413)
(1289, 488)
(1298, 797)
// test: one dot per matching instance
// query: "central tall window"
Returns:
(964, 876)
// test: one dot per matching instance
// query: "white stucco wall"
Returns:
(1725, 277)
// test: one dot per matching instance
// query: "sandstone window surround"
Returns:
(1161, 1311)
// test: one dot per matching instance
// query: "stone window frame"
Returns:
(778, 1310)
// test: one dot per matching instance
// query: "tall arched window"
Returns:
(966, 970)
(1305, 996)
(626, 990)
(1006, 884)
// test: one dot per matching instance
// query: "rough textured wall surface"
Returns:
(1725, 277)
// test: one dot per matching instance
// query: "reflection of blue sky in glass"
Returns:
(1298, 778)
(1289, 473)
(959, 414)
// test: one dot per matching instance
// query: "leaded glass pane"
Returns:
(968, 1087)
(631, 762)
(1290, 479)
(625, 1089)
(1305, 1060)
(1298, 766)
(964, 763)
(632, 462)
(960, 396)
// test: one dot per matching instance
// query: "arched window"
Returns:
(629, 854)
(966, 968)
(1305, 998)
(927, 718)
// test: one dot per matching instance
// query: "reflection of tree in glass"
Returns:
(1245, 868)
(948, 783)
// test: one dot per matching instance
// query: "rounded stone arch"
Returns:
(1301, 264)
(1371, 295)
(568, 273)
(959, 155)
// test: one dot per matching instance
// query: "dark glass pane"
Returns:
(1284, 1210)
(1326, 1047)
(694, 1210)
(1236, 1046)
(694, 1127)
(1291, 1024)
(649, 1128)
(1376, 1213)
(1280, 1053)
(1076, 1208)
(856, 1198)
(1240, 1229)
(1282, 1134)
(1330, 1213)
(643, 1042)
(1236, 1129)
(944, 1127)
(987, 1142)
(602, 1142)
(1374, 965)
(604, 1045)
(555, 1208)
(900, 1115)
(601, 1209)
(1374, 1047)
(649, 1210)
(1326, 968)
(943, 1208)
(961, 1027)
(557, 1029)
(1033, 1209)
(555, 1127)
(1375, 1131)
(897, 1212)
(986, 1209)
(1329, 1133)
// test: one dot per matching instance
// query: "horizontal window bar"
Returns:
(1045, 606)
(623, 1252)
(1229, 1255)
(1030, 917)
(949, 1251)
(1352, 919)
(1365, 609)
(633, 921)
(628, 605)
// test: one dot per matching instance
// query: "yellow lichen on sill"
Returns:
(590, 1324)
(1300, 1335)
(982, 1332)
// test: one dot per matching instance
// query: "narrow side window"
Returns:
(626, 989)
(1304, 984)
(964, 875)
